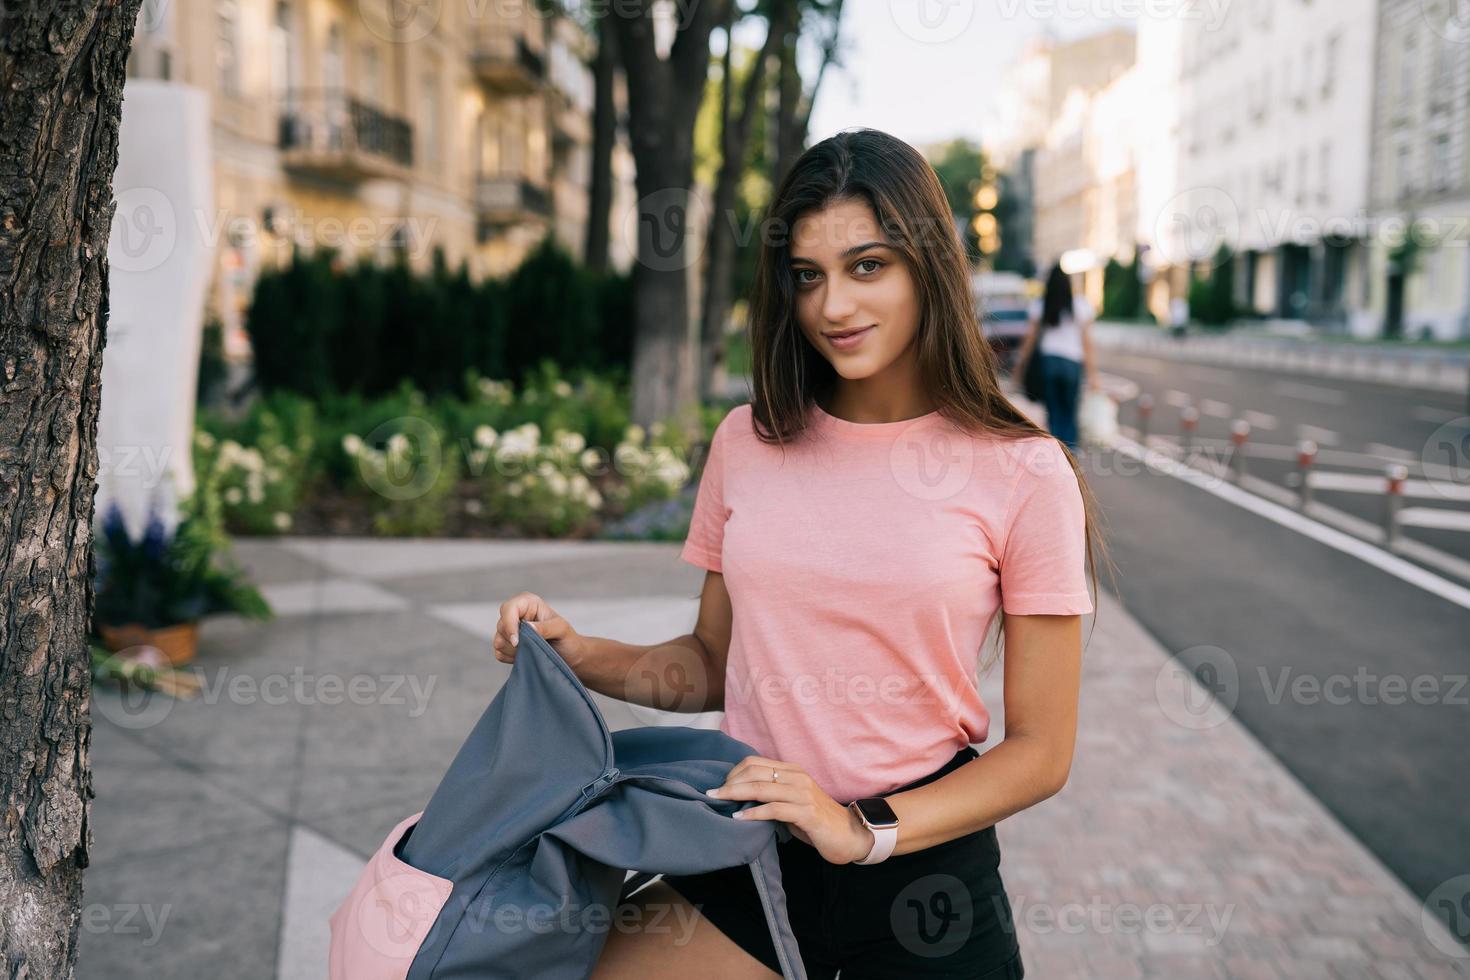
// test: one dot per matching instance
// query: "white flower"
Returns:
(484, 436)
(590, 459)
(634, 434)
(204, 439)
(558, 483)
(545, 469)
(397, 444)
(281, 520)
(351, 444)
(514, 489)
(562, 389)
(572, 442)
(233, 496)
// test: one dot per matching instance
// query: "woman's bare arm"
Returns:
(1043, 679)
(685, 674)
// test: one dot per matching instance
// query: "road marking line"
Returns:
(1369, 483)
(1259, 420)
(1391, 452)
(1322, 437)
(1428, 413)
(1176, 397)
(1440, 518)
(1310, 393)
(1292, 520)
(1220, 410)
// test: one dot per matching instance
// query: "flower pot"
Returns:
(177, 643)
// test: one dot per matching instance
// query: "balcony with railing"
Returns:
(511, 199)
(506, 62)
(332, 134)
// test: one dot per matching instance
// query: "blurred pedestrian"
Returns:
(1178, 315)
(1061, 335)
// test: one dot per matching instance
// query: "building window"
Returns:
(1405, 178)
(1329, 67)
(372, 75)
(430, 103)
(1407, 66)
(1324, 174)
(283, 51)
(1443, 162)
(227, 46)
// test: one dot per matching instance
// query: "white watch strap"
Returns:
(884, 840)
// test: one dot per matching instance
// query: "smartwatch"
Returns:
(877, 816)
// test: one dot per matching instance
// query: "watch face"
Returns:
(876, 811)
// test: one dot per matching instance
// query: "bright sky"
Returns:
(926, 70)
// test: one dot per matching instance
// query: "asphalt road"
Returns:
(1353, 677)
(1360, 429)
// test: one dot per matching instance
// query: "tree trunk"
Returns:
(794, 110)
(604, 136)
(721, 243)
(663, 100)
(63, 66)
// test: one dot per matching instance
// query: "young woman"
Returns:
(1064, 324)
(863, 522)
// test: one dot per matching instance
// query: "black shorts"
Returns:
(939, 912)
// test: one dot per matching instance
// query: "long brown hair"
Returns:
(955, 362)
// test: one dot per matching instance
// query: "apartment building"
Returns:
(1084, 204)
(375, 127)
(1274, 124)
(1420, 173)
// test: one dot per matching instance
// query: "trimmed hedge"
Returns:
(319, 327)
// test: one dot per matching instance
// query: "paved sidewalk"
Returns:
(227, 828)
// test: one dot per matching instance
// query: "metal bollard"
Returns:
(1239, 430)
(1188, 419)
(1145, 410)
(1306, 455)
(1394, 497)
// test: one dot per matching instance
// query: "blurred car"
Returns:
(1002, 300)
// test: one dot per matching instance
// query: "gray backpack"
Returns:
(517, 865)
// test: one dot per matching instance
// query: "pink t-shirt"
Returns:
(865, 564)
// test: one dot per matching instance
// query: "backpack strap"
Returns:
(766, 869)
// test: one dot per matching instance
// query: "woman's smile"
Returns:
(850, 340)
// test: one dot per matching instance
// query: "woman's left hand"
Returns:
(794, 797)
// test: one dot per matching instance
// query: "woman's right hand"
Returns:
(542, 618)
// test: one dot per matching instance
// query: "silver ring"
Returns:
(774, 777)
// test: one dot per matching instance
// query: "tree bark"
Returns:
(721, 241)
(63, 66)
(663, 101)
(604, 136)
(794, 109)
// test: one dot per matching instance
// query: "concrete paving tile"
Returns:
(208, 910)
